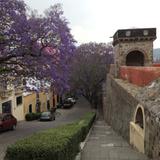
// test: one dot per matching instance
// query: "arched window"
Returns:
(139, 118)
(135, 58)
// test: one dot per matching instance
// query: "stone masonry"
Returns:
(134, 111)
(136, 40)
(121, 101)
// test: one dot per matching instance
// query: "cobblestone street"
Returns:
(25, 129)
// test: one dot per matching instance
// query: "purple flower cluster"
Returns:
(35, 46)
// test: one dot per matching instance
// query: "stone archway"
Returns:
(135, 58)
(137, 129)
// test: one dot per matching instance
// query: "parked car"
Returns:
(7, 121)
(67, 104)
(71, 100)
(59, 105)
(47, 116)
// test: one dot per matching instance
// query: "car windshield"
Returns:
(45, 113)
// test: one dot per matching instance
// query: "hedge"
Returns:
(61, 143)
(32, 116)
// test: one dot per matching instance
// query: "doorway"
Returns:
(135, 58)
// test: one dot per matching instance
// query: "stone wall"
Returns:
(119, 107)
(122, 49)
(152, 136)
(120, 102)
(150, 99)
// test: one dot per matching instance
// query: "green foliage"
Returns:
(89, 68)
(61, 143)
(4, 70)
(32, 116)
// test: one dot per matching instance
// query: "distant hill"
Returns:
(156, 55)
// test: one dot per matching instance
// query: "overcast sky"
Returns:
(97, 20)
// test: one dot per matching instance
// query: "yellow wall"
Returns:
(44, 97)
(55, 98)
(29, 99)
(43, 100)
(137, 137)
(51, 98)
(17, 111)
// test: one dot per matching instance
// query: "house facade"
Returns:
(14, 100)
(37, 101)
(11, 99)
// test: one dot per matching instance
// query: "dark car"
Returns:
(72, 100)
(7, 121)
(67, 104)
(47, 116)
(59, 105)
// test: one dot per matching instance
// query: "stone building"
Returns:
(132, 100)
(133, 47)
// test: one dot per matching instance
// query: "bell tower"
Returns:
(133, 47)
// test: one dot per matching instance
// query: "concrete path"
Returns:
(104, 144)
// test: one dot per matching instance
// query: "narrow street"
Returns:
(25, 129)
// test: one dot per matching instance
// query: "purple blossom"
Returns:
(35, 46)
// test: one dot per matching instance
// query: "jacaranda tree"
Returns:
(90, 65)
(35, 46)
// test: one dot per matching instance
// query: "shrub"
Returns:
(61, 143)
(32, 116)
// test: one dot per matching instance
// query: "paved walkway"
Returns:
(104, 144)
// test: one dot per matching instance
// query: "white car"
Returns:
(71, 100)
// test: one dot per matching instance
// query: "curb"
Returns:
(82, 144)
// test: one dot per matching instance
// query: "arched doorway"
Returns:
(139, 118)
(135, 58)
(30, 108)
(137, 129)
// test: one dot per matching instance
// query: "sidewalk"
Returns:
(104, 144)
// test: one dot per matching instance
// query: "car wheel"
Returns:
(14, 127)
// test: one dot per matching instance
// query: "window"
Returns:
(145, 32)
(30, 108)
(19, 100)
(128, 33)
(48, 105)
(6, 107)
